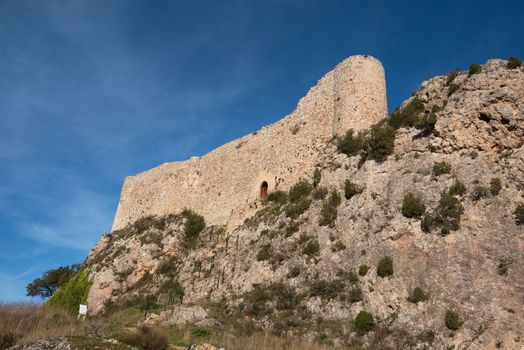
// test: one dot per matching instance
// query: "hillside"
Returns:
(414, 221)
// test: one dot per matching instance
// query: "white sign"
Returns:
(82, 310)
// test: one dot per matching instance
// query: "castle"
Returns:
(226, 185)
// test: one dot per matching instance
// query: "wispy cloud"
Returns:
(75, 223)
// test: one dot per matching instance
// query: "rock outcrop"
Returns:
(454, 278)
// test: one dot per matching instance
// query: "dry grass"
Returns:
(146, 338)
(30, 322)
(185, 336)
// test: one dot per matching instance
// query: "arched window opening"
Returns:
(263, 189)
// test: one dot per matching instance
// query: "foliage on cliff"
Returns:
(73, 293)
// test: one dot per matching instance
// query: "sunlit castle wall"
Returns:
(224, 185)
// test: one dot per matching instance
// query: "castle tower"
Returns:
(359, 93)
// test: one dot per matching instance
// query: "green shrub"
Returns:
(418, 295)
(441, 168)
(514, 62)
(193, 226)
(299, 191)
(453, 321)
(412, 207)
(317, 176)
(381, 142)
(407, 116)
(364, 322)
(351, 189)
(294, 210)
(311, 248)
(452, 89)
(351, 144)
(363, 270)
(278, 197)
(145, 338)
(479, 192)
(328, 214)
(451, 76)
(426, 124)
(457, 188)
(427, 222)
(495, 185)
(474, 69)
(320, 192)
(519, 214)
(326, 289)
(413, 115)
(73, 293)
(385, 267)
(448, 213)
(264, 253)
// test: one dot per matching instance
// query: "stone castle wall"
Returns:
(224, 185)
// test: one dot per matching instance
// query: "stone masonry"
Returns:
(224, 185)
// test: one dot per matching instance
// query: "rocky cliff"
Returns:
(416, 222)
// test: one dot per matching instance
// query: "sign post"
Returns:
(82, 311)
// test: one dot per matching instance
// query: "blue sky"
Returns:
(93, 91)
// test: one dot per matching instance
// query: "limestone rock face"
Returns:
(285, 271)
